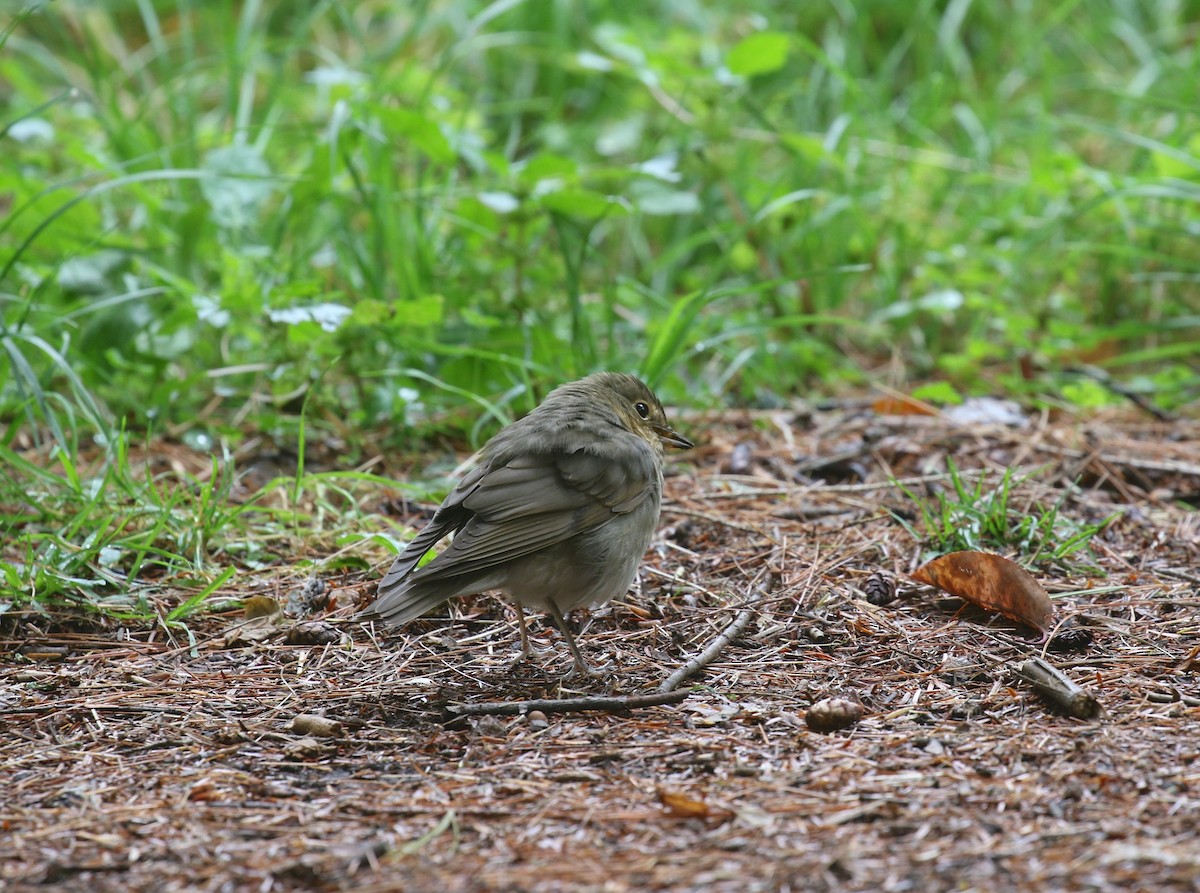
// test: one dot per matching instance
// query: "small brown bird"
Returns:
(557, 514)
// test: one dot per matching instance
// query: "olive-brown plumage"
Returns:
(557, 514)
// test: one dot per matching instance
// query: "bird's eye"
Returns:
(642, 409)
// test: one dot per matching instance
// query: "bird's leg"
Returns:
(581, 665)
(524, 634)
(527, 648)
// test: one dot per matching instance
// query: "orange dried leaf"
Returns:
(681, 805)
(204, 791)
(992, 582)
(639, 613)
(899, 404)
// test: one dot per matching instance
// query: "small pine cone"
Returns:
(880, 589)
(1070, 637)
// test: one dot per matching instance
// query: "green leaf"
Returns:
(938, 392)
(760, 53)
(370, 312)
(548, 166)
(1087, 394)
(1179, 164)
(581, 203)
(422, 132)
(810, 147)
(426, 310)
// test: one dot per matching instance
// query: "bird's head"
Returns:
(637, 407)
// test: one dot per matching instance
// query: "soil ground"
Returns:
(136, 760)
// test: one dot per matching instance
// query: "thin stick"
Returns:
(1139, 400)
(1166, 466)
(735, 628)
(608, 704)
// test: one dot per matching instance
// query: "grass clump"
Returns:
(210, 205)
(981, 516)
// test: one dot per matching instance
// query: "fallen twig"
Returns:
(606, 703)
(1123, 390)
(1164, 466)
(1053, 685)
(736, 627)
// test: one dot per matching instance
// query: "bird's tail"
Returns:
(405, 600)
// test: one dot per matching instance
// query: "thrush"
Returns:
(557, 514)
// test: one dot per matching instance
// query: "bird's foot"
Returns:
(529, 655)
(583, 670)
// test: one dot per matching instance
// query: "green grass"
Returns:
(128, 539)
(984, 517)
(417, 217)
(237, 199)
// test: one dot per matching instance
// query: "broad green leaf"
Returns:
(547, 166)
(420, 131)
(426, 310)
(1182, 168)
(581, 203)
(938, 392)
(760, 53)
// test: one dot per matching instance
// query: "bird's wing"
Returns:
(450, 517)
(532, 502)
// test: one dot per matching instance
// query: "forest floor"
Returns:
(134, 759)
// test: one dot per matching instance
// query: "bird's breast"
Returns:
(590, 568)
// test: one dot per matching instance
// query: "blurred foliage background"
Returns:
(216, 214)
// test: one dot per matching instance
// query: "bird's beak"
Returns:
(670, 437)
